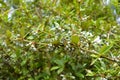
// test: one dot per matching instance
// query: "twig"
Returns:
(96, 53)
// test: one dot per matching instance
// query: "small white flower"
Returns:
(118, 20)
(97, 40)
(63, 30)
(67, 46)
(62, 75)
(33, 48)
(106, 2)
(104, 79)
(29, 0)
(9, 50)
(85, 17)
(104, 35)
(12, 10)
(73, 48)
(56, 25)
(69, 32)
(68, 42)
(0, 5)
(50, 45)
(18, 35)
(114, 12)
(59, 28)
(21, 45)
(4, 44)
(53, 28)
(114, 27)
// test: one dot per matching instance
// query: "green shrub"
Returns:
(59, 40)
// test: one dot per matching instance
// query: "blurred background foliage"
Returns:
(59, 40)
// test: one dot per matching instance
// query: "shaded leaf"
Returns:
(8, 34)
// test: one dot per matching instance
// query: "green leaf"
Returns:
(75, 39)
(93, 55)
(54, 68)
(103, 65)
(60, 70)
(114, 2)
(94, 61)
(8, 34)
(59, 62)
(55, 42)
(90, 73)
(41, 27)
(22, 31)
(80, 75)
(105, 49)
(3, 4)
(23, 62)
(30, 37)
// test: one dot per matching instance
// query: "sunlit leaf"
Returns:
(75, 39)
(54, 68)
(105, 49)
(22, 31)
(60, 70)
(90, 73)
(30, 37)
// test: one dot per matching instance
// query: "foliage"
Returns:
(58, 40)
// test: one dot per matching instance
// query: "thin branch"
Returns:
(96, 53)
